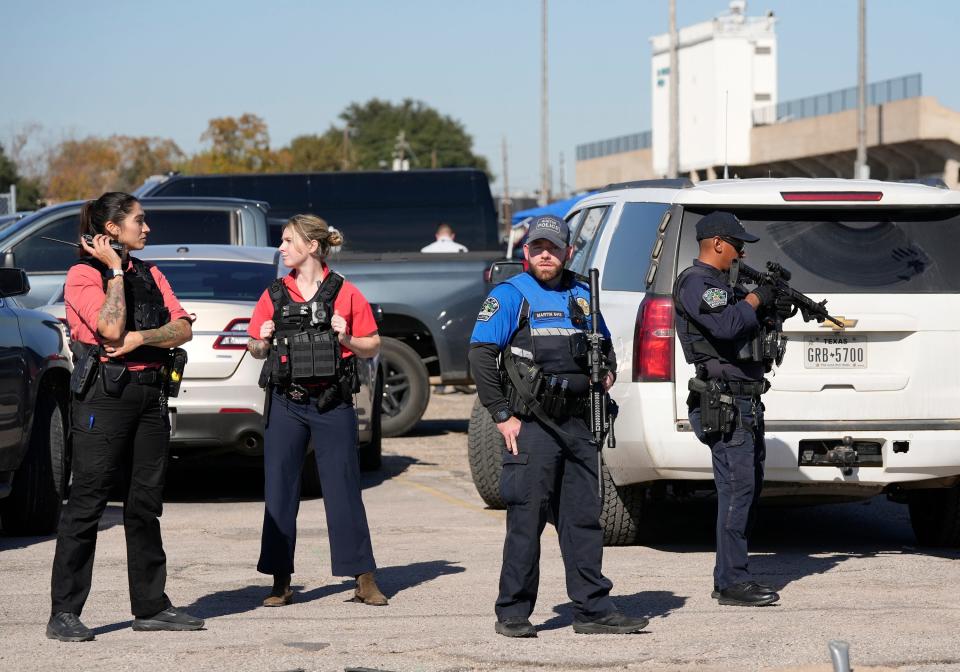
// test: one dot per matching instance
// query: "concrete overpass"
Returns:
(909, 138)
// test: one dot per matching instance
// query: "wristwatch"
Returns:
(502, 415)
(112, 273)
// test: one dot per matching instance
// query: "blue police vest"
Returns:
(552, 328)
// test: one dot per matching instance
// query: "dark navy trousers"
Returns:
(548, 480)
(334, 435)
(738, 471)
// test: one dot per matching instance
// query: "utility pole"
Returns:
(544, 132)
(563, 180)
(673, 161)
(506, 203)
(345, 163)
(433, 158)
(861, 170)
(400, 148)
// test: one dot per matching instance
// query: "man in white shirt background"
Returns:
(444, 240)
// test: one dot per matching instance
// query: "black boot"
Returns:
(67, 627)
(515, 627)
(747, 594)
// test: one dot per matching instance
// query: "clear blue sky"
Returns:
(164, 69)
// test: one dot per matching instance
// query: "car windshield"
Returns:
(207, 280)
(854, 251)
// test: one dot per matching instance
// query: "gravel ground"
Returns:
(847, 572)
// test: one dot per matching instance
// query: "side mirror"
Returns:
(504, 270)
(377, 313)
(8, 260)
(13, 282)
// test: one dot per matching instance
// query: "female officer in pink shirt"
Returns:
(311, 326)
(123, 319)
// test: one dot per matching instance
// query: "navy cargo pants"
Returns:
(738, 471)
(549, 480)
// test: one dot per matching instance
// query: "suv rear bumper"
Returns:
(650, 449)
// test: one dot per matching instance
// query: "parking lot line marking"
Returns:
(462, 503)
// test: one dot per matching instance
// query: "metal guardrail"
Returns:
(878, 93)
(618, 145)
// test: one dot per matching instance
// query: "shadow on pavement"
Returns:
(793, 542)
(438, 427)
(392, 581)
(648, 604)
(112, 515)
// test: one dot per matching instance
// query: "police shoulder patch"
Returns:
(488, 309)
(584, 305)
(715, 297)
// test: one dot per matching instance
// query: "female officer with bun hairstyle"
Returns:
(123, 320)
(310, 327)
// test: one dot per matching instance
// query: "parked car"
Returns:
(34, 385)
(429, 301)
(220, 407)
(172, 220)
(868, 409)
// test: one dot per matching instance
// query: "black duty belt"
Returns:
(148, 377)
(747, 389)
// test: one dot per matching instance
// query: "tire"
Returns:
(33, 507)
(623, 518)
(406, 387)
(485, 452)
(935, 516)
(371, 453)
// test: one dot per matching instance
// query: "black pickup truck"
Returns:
(429, 301)
(34, 393)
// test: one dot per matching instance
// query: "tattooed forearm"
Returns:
(170, 335)
(258, 348)
(113, 314)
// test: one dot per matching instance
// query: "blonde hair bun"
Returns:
(311, 227)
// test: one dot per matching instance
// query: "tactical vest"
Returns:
(144, 303)
(698, 345)
(551, 331)
(305, 349)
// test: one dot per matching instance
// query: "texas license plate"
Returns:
(835, 352)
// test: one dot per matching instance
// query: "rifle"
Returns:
(602, 408)
(779, 277)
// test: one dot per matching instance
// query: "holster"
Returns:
(717, 410)
(85, 366)
(178, 362)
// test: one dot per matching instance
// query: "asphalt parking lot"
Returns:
(844, 571)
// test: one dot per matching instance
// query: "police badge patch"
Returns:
(715, 297)
(584, 305)
(489, 309)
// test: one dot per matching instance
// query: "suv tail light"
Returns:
(831, 195)
(653, 341)
(227, 341)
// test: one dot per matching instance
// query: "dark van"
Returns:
(379, 212)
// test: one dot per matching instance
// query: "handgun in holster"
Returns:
(84, 370)
(178, 362)
(717, 410)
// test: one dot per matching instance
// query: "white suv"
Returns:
(871, 408)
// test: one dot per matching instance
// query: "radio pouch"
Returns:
(114, 376)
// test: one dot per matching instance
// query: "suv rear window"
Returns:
(855, 251)
(200, 280)
(211, 227)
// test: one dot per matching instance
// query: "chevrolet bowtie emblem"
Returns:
(847, 324)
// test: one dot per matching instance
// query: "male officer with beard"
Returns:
(528, 357)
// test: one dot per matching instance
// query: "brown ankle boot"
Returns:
(280, 595)
(367, 591)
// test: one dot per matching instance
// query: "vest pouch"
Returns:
(114, 376)
(325, 354)
(301, 354)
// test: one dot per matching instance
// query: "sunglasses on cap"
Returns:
(738, 245)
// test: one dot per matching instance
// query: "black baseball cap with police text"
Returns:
(550, 228)
(724, 225)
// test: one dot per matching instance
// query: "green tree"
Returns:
(29, 194)
(142, 157)
(315, 153)
(432, 139)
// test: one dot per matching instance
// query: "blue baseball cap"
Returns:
(549, 228)
(724, 225)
